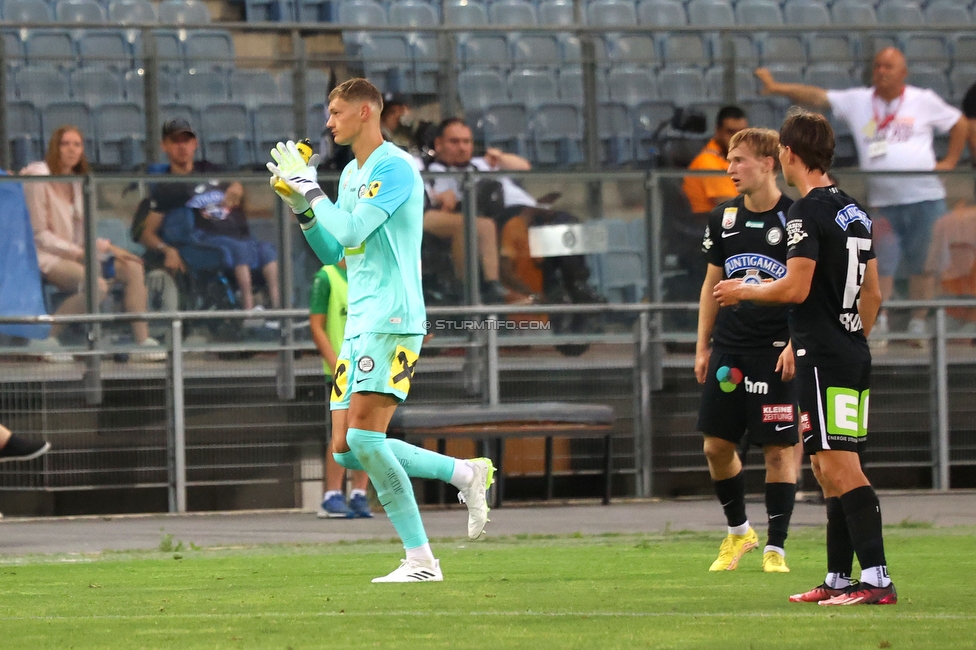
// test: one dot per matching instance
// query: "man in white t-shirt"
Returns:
(893, 126)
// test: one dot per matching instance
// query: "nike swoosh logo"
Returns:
(774, 516)
(359, 381)
(780, 427)
(807, 438)
(730, 234)
(727, 504)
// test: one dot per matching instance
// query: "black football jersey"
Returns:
(829, 227)
(750, 247)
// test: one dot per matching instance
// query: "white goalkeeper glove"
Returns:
(289, 195)
(299, 175)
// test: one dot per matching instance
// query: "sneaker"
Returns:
(474, 495)
(155, 352)
(359, 507)
(864, 594)
(732, 549)
(879, 335)
(335, 508)
(918, 328)
(18, 448)
(49, 350)
(414, 571)
(815, 595)
(773, 562)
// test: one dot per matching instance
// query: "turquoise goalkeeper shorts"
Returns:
(375, 363)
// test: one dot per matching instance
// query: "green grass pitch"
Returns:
(544, 593)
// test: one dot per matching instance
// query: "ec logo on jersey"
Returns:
(728, 217)
(851, 214)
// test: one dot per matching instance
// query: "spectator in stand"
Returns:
(395, 121)
(705, 193)
(57, 214)
(893, 125)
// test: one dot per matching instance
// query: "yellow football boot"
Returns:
(732, 549)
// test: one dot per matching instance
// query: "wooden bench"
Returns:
(483, 422)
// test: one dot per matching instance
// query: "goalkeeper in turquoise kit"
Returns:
(376, 224)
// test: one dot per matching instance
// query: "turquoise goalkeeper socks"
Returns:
(392, 484)
(417, 462)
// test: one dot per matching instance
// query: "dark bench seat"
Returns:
(497, 422)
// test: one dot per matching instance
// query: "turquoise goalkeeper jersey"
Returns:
(378, 220)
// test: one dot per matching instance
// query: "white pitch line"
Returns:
(818, 613)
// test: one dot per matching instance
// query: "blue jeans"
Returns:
(910, 234)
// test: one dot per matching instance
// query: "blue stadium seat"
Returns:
(710, 13)
(929, 49)
(556, 13)
(412, 13)
(201, 88)
(830, 76)
(49, 47)
(126, 12)
(532, 88)
(311, 11)
(661, 13)
(784, 48)
(226, 134)
(631, 86)
(745, 83)
(479, 88)
(964, 48)
(42, 84)
(208, 49)
(557, 135)
(833, 47)
(274, 123)
(806, 12)
(120, 130)
(961, 78)
(943, 12)
(611, 13)
(616, 132)
(758, 13)
(424, 77)
(537, 50)
(512, 13)
(618, 235)
(484, 49)
(27, 11)
(682, 85)
(648, 116)
(183, 12)
(853, 13)
(317, 86)
(134, 84)
(97, 85)
(315, 122)
(79, 11)
(931, 77)
(622, 277)
(636, 49)
(57, 114)
(255, 87)
(747, 49)
(104, 47)
(684, 49)
(571, 86)
(463, 13)
(505, 126)
(763, 112)
(23, 133)
(387, 61)
(13, 50)
(169, 49)
(900, 12)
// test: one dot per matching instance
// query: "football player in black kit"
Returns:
(832, 276)
(746, 369)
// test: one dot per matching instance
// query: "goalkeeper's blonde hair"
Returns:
(762, 142)
(358, 90)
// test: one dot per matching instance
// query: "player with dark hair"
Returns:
(743, 357)
(832, 277)
(377, 227)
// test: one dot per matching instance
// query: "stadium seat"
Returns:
(505, 126)
(853, 13)
(208, 49)
(616, 132)
(273, 11)
(201, 88)
(183, 12)
(104, 47)
(226, 135)
(411, 13)
(783, 48)
(929, 49)
(964, 48)
(120, 130)
(557, 135)
(317, 86)
(900, 12)
(806, 12)
(682, 86)
(931, 77)
(169, 49)
(311, 11)
(833, 47)
(635, 49)
(23, 133)
(387, 61)
(661, 13)
(49, 47)
(134, 84)
(274, 123)
(479, 88)
(571, 86)
(512, 13)
(830, 76)
(57, 114)
(483, 49)
(758, 13)
(611, 13)
(621, 274)
(746, 49)
(710, 13)
(762, 112)
(556, 13)
(78, 11)
(255, 87)
(13, 51)
(648, 116)
(463, 13)
(684, 49)
(167, 86)
(631, 86)
(425, 75)
(42, 84)
(532, 88)
(27, 11)
(745, 83)
(97, 85)
(536, 50)
(945, 12)
(963, 76)
(126, 12)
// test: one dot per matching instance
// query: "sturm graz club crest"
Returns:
(365, 364)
